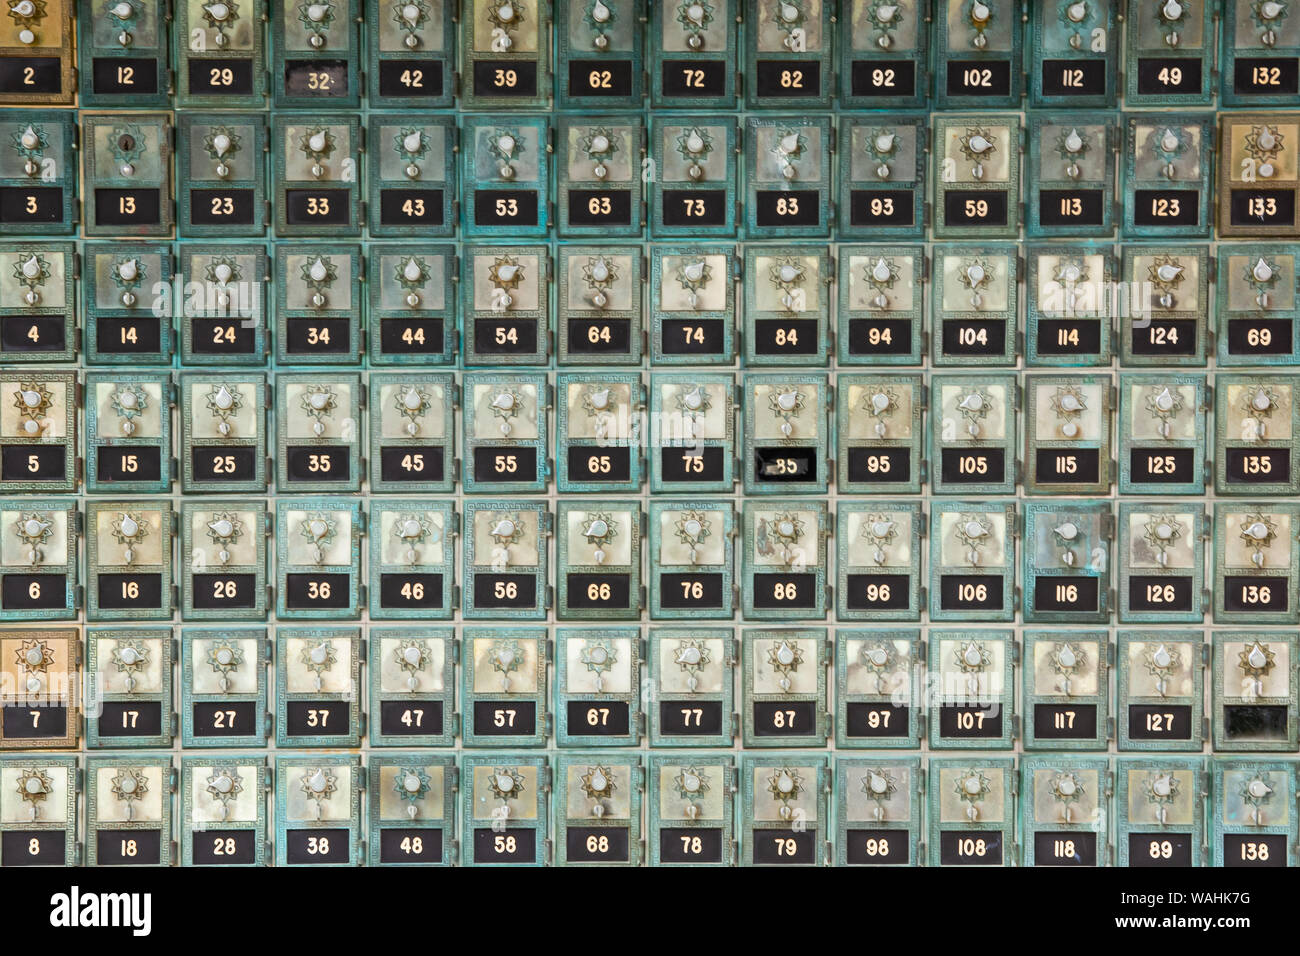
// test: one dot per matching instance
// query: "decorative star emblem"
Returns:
(318, 783)
(130, 784)
(692, 656)
(34, 529)
(506, 783)
(1162, 789)
(413, 656)
(35, 656)
(598, 783)
(1264, 142)
(506, 656)
(34, 787)
(31, 269)
(506, 272)
(319, 658)
(225, 657)
(507, 529)
(1066, 789)
(784, 657)
(318, 142)
(691, 783)
(221, 142)
(1257, 659)
(224, 785)
(977, 144)
(411, 784)
(971, 788)
(785, 784)
(1256, 793)
(319, 528)
(598, 656)
(972, 656)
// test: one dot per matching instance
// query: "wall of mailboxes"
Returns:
(136, 231)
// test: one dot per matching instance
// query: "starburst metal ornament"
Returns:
(1256, 661)
(1258, 404)
(1076, 17)
(693, 277)
(318, 144)
(786, 402)
(319, 658)
(780, 535)
(506, 657)
(692, 529)
(505, 784)
(1161, 661)
(130, 657)
(27, 14)
(1256, 794)
(121, 16)
(224, 528)
(32, 272)
(599, 528)
(1263, 275)
(971, 788)
(319, 402)
(880, 658)
(220, 271)
(1166, 273)
(410, 16)
(225, 657)
(1071, 272)
(1167, 145)
(598, 656)
(600, 144)
(34, 529)
(977, 144)
(129, 528)
(221, 16)
(413, 656)
(785, 784)
(505, 274)
(695, 16)
(599, 274)
(224, 403)
(411, 784)
(879, 530)
(694, 144)
(1268, 16)
(692, 656)
(225, 785)
(129, 402)
(979, 14)
(787, 273)
(504, 18)
(319, 784)
(784, 657)
(320, 529)
(598, 785)
(599, 403)
(129, 785)
(693, 403)
(412, 274)
(881, 276)
(34, 658)
(411, 144)
(1164, 403)
(411, 529)
(319, 274)
(505, 530)
(34, 788)
(1263, 143)
(972, 658)
(221, 143)
(789, 149)
(1170, 15)
(882, 145)
(691, 783)
(128, 274)
(1067, 789)
(1067, 660)
(880, 786)
(976, 275)
(506, 145)
(599, 18)
(1258, 530)
(883, 18)
(31, 143)
(412, 403)
(1066, 534)
(127, 143)
(1069, 403)
(975, 406)
(1160, 532)
(973, 531)
(316, 16)
(880, 404)
(1162, 789)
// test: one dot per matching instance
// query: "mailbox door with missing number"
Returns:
(318, 558)
(1253, 692)
(317, 684)
(1159, 690)
(787, 442)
